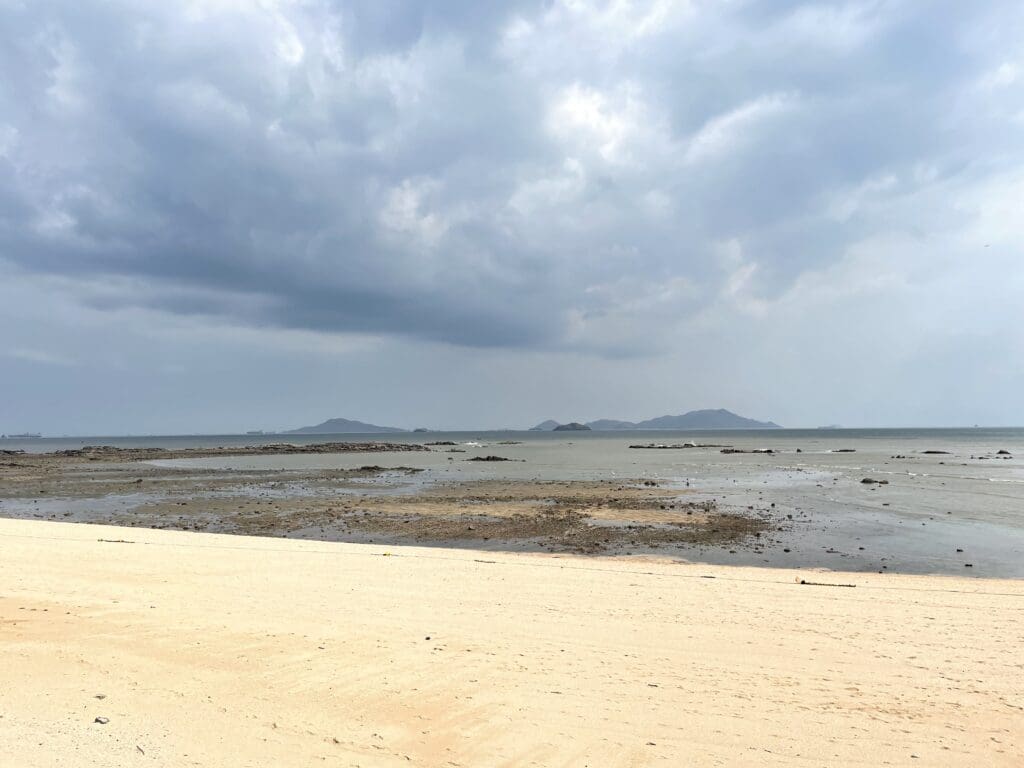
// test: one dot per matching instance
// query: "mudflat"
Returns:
(204, 649)
(372, 503)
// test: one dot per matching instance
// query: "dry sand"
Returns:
(216, 650)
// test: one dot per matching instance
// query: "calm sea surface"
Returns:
(969, 497)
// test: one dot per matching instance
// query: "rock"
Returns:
(939, 453)
(1002, 452)
(102, 720)
(488, 458)
(871, 481)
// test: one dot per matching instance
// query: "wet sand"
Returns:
(934, 512)
(374, 503)
(213, 650)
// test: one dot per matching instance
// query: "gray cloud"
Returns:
(609, 179)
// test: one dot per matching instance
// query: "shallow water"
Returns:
(932, 505)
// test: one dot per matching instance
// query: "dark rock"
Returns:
(871, 481)
(102, 720)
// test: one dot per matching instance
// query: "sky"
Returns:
(223, 215)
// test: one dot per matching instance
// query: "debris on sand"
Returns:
(98, 452)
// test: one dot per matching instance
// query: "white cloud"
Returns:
(1003, 76)
(732, 130)
(405, 213)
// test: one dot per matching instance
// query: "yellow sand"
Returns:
(229, 651)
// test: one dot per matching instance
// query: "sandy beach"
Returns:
(213, 650)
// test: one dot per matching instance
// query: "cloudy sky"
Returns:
(219, 215)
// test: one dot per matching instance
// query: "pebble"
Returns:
(102, 720)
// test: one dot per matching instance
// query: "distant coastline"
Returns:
(704, 419)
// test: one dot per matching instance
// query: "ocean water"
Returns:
(967, 498)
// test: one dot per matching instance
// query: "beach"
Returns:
(213, 650)
(890, 501)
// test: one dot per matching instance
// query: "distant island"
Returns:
(704, 419)
(545, 426)
(572, 426)
(341, 426)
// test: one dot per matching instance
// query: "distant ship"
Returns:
(22, 435)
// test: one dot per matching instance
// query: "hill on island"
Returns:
(704, 419)
(341, 426)
(545, 426)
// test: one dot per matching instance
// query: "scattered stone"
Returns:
(937, 453)
(488, 458)
(872, 481)
(102, 720)
(677, 446)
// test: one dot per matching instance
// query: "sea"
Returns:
(953, 500)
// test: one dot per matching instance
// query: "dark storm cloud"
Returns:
(557, 174)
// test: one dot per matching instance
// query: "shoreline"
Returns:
(231, 651)
(921, 515)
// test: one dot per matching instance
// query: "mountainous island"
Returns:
(546, 426)
(704, 419)
(341, 426)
